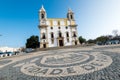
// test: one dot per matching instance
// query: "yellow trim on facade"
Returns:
(66, 23)
(59, 19)
(72, 22)
(51, 23)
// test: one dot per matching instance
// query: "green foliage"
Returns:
(32, 42)
(82, 40)
(102, 39)
(91, 41)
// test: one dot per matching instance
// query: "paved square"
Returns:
(82, 63)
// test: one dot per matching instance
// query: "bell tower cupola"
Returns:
(70, 14)
(42, 14)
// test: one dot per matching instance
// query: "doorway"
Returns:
(44, 45)
(75, 42)
(61, 43)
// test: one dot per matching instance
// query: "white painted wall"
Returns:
(55, 30)
(8, 49)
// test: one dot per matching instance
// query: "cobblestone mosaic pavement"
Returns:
(82, 63)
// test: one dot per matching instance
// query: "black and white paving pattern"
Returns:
(82, 63)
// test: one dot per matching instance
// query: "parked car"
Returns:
(112, 42)
(9, 53)
(28, 50)
(16, 52)
(3, 54)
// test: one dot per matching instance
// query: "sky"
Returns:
(19, 18)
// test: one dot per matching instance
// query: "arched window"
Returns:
(68, 16)
(71, 16)
(52, 35)
(74, 34)
(43, 37)
(75, 42)
(60, 34)
(42, 15)
(67, 34)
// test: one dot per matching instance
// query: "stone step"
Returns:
(63, 47)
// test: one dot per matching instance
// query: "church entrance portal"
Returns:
(61, 43)
(44, 45)
(75, 42)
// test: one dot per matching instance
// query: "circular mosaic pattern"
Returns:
(63, 59)
(66, 64)
(4, 62)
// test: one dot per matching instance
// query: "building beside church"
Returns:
(57, 32)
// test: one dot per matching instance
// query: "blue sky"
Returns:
(19, 18)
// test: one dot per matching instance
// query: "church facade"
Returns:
(57, 32)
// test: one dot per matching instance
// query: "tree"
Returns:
(33, 42)
(91, 41)
(115, 32)
(82, 40)
(102, 39)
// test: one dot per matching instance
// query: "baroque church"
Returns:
(57, 32)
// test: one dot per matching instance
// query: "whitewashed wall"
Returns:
(55, 30)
